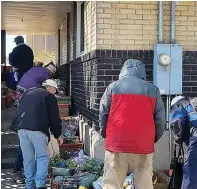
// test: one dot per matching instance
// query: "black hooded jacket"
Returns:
(22, 57)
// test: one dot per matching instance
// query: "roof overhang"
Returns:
(33, 17)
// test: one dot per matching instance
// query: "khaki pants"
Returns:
(117, 165)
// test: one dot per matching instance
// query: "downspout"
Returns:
(173, 23)
(172, 41)
(160, 28)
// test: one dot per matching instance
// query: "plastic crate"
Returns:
(69, 182)
(71, 147)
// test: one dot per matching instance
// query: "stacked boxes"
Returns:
(64, 103)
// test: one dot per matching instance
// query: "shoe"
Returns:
(18, 177)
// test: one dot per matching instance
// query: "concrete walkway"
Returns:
(6, 181)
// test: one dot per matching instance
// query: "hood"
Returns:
(133, 68)
(176, 99)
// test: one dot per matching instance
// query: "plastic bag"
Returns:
(58, 179)
(128, 181)
(130, 187)
(98, 184)
(53, 147)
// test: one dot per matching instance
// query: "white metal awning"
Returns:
(33, 17)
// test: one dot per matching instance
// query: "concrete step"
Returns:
(8, 151)
(7, 116)
(9, 137)
(7, 163)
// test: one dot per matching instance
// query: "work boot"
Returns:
(18, 177)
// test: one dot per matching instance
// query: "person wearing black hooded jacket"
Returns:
(21, 58)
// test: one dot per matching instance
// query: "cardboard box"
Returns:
(63, 110)
(161, 180)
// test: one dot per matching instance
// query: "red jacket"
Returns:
(132, 114)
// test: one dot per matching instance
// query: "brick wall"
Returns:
(93, 72)
(63, 40)
(133, 24)
(84, 83)
(63, 73)
(127, 30)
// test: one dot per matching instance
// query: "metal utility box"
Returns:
(167, 68)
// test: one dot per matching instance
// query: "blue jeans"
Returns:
(190, 166)
(19, 160)
(35, 156)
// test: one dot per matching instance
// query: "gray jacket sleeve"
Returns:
(104, 110)
(159, 117)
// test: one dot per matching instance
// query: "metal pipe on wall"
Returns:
(160, 28)
(173, 22)
(170, 131)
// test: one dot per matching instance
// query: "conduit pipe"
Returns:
(160, 28)
(173, 22)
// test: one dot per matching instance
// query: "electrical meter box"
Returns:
(167, 68)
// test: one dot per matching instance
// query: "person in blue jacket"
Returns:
(184, 120)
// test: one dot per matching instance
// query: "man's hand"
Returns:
(60, 141)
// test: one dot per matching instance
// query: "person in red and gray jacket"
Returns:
(132, 119)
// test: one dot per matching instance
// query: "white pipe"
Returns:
(160, 27)
(173, 22)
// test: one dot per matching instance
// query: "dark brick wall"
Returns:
(63, 73)
(92, 73)
(190, 73)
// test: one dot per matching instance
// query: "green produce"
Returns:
(54, 160)
(65, 155)
(56, 171)
(71, 164)
(93, 166)
(87, 180)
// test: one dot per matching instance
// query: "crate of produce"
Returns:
(63, 178)
(63, 110)
(70, 127)
(67, 183)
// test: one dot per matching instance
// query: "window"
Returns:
(80, 29)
